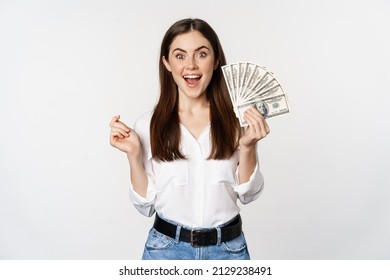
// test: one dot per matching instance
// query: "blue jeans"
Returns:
(161, 247)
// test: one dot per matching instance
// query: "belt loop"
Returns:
(178, 230)
(219, 235)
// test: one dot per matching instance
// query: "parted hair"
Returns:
(165, 124)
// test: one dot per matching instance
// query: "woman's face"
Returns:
(191, 62)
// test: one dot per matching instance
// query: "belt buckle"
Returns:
(198, 237)
(192, 239)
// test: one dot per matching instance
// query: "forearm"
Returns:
(247, 165)
(138, 177)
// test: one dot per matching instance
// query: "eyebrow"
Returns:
(197, 49)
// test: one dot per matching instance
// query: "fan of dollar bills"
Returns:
(250, 84)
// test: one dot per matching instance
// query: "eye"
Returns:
(202, 54)
(179, 56)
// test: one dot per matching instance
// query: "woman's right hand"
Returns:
(124, 138)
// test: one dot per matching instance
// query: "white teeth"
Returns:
(191, 77)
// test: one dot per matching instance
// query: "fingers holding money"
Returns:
(257, 127)
(259, 119)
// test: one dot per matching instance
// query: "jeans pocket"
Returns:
(235, 246)
(157, 240)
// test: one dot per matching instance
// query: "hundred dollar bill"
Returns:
(235, 75)
(241, 75)
(276, 90)
(249, 67)
(269, 85)
(246, 72)
(227, 73)
(255, 80)
(269, 107)
(262, 83)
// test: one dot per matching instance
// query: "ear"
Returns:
(216, 64)
(166, 63)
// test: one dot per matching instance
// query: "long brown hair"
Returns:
(165, 125)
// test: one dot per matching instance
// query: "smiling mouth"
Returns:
(192, 80)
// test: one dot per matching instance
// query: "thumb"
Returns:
(114, 119)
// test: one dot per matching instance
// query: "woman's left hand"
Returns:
(256, 130)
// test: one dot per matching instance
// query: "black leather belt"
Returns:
(200, 237)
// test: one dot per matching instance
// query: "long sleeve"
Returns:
(145, 205)
(251, 190)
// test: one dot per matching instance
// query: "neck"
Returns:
(193, 105)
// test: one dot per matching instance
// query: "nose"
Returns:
(192, 63)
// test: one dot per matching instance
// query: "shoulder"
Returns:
(143, 120)
(142, 124)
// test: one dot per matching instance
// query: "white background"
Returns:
(66, 67)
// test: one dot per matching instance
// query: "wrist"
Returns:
(134, 156)
(247, 149)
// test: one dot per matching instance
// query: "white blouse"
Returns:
(193, 192)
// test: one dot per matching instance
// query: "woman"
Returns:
(189, 160)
